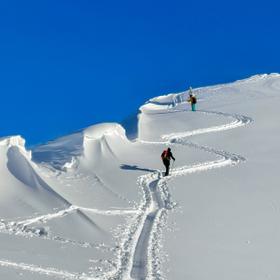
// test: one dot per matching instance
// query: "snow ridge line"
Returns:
(146, 262)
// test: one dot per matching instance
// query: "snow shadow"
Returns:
(135, 167)
(60, 151)
(130, 124)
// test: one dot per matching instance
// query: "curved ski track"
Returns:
(144, 251)
(139, 257)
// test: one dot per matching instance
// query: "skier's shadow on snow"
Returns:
(135, 167)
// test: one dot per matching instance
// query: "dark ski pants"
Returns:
(166, 163)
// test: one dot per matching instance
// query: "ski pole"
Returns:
(172, 166)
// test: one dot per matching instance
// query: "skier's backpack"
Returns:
(194, 100)
(164, 154)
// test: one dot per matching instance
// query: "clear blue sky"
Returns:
(67, 64)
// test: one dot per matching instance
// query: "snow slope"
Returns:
(94, 204)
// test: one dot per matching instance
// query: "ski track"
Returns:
(24, 228)
(146, 260)
(139, 257)
(49, 271)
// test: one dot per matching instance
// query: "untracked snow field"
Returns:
(94, 204)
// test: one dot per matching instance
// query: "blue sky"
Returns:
(65, 65)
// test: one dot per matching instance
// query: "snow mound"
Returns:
(98, 131)
(102, 141)
(66, 152)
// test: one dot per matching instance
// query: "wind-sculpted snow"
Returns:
(71, 210)
(64, 153)
(15, 141)
(139, 253)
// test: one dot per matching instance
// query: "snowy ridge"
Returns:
(168, 102)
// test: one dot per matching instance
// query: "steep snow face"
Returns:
(23, 191)
(41, 231)
(94, 205)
